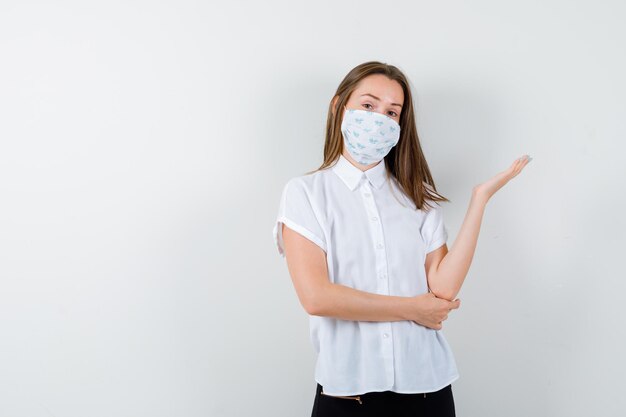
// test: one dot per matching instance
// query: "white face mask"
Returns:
(368, 136)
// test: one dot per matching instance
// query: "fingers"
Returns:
(525, 160)
(518, 165)
(522, 162)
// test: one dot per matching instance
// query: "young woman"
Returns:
(365, 244)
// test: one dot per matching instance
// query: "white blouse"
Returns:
(376, 244)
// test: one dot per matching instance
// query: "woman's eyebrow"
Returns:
(372, 95)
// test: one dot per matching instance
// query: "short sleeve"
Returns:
(434, 230)
(296, 212)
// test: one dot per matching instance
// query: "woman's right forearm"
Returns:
(347, 303)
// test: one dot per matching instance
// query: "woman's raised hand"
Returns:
(487, 189)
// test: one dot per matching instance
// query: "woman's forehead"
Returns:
(380, 87)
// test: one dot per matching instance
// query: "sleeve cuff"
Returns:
(436, 245)
(278, 234)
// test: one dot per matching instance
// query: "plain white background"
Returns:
(144, 146)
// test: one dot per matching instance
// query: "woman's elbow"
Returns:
(312, 309)
(444, 293)
(316, 303)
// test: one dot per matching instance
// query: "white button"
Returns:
(374, 218)
(385, 335)
(380, 245)
(367, 195)
(382, 276)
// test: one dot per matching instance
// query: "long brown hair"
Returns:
(405, 162)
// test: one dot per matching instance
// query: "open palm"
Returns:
(489, 187)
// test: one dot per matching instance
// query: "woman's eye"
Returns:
(393, 113)
(367, 104)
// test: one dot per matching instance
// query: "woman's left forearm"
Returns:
(446, 279)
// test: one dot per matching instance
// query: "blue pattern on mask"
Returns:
(359, 126)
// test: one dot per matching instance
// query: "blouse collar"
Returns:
(351, 175)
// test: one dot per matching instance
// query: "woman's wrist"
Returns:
(479, 196)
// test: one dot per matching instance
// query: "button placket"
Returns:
(381, 271)
(376, 230)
